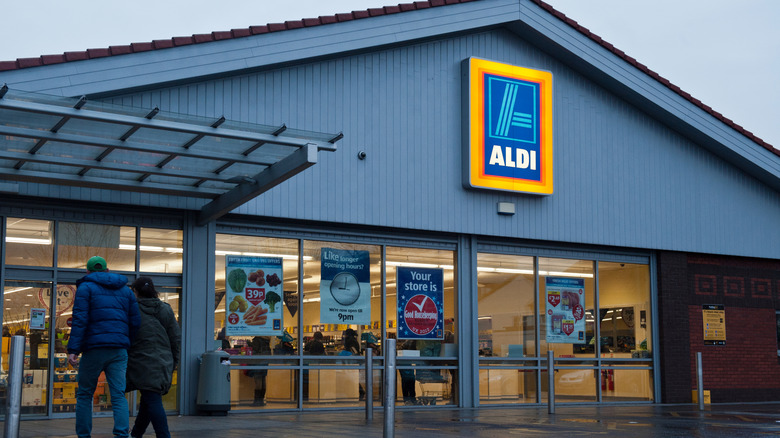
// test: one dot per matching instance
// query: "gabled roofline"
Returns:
(21, 63)
(643, 68)
(68, 57)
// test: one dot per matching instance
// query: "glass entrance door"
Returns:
(26, 313)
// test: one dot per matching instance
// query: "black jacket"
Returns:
(156, 348)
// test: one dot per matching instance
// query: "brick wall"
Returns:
(673, 327)
(747, 367)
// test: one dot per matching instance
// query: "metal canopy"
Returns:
(75, 142)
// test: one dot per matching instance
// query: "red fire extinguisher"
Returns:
(607, 380)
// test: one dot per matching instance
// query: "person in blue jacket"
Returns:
(105, 320)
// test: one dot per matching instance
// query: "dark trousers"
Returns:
(408, 389)
(151, 410)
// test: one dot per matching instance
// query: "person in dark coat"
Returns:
(152, 358)
(314, 347)
(105, 320)
(261, 346)
(407, 377)
(352, 348)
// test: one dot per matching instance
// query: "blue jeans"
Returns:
(114, 362)
(151, 410)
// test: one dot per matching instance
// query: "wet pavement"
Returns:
(635, 421)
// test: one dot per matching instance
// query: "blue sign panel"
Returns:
(420, 303)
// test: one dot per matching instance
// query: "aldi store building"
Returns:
(484, 181)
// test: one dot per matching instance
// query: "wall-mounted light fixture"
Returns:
(506, 208)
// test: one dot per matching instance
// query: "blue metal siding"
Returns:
(621, 177)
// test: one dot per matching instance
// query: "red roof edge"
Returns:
(655, 76)
(220, 35)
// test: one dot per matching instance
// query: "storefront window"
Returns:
(161, 250)
(29, 242)
(624, 309)
(566, 307)
(77, 242)
(342, 307)
(43, 313)
(567, 326)
(624, 315)
(333, 324)
(507, 327)
(275, 386)
(431, 378)
(505, 299)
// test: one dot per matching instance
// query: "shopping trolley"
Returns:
(435, 385)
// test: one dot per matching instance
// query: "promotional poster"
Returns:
(254, 296)
(565, 311)
(345, 287)
(420, 303)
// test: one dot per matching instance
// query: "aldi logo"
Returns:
(508, 133)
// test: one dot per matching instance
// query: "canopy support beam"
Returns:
(288, 167)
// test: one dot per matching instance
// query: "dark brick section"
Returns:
(746, 369)
(673, 326)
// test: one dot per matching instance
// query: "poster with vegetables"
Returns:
(345, 288)
(254, 296)
(565, 312)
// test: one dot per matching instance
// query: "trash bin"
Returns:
(214, 383)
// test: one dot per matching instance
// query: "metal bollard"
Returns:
(550, 382)
(13, 401)
(700, 381)
(369, 384)
(389, 389)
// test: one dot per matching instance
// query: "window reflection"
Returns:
(77, 242)
(29, 242)
(161, 250)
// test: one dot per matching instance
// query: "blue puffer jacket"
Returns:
(105, 313)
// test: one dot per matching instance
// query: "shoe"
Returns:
(259, 403)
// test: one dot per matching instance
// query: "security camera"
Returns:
(362, 155)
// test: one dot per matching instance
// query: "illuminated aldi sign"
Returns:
(508, 131)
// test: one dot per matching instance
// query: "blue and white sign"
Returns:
(345, 287)
(420, 303)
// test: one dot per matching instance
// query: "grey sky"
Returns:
(724, 52)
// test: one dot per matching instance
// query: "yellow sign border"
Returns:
(477, 68)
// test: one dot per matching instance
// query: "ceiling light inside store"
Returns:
(565, 274)
(419, 265)
(16, 290)
(150, 248)
(28, 240)
(531, 272)
(515, 271)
